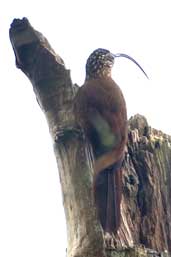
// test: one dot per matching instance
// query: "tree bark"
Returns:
(146, 205)
(54, 92)
(146, 201)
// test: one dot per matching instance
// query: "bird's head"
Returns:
(100, 62)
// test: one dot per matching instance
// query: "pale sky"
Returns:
(32, 221)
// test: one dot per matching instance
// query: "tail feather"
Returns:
(113, 201)
(108, 190)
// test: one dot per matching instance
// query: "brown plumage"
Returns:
(100, 110)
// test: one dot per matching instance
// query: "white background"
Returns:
(32, 222)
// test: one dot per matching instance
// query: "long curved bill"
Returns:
(130, 58)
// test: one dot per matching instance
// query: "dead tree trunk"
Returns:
(54, 92)
(146, 208)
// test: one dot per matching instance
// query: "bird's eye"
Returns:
(93, 63)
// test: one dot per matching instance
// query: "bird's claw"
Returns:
(65, 133)
(109, 241)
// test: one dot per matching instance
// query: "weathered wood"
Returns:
(146, 204)
(54, 92)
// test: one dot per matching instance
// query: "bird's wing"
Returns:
(101, 111)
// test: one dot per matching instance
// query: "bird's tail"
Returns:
(108, 190)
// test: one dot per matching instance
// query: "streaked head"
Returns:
(100, 63)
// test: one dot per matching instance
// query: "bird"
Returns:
(100, 110)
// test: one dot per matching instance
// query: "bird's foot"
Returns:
(109, 241)
(65, 133)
